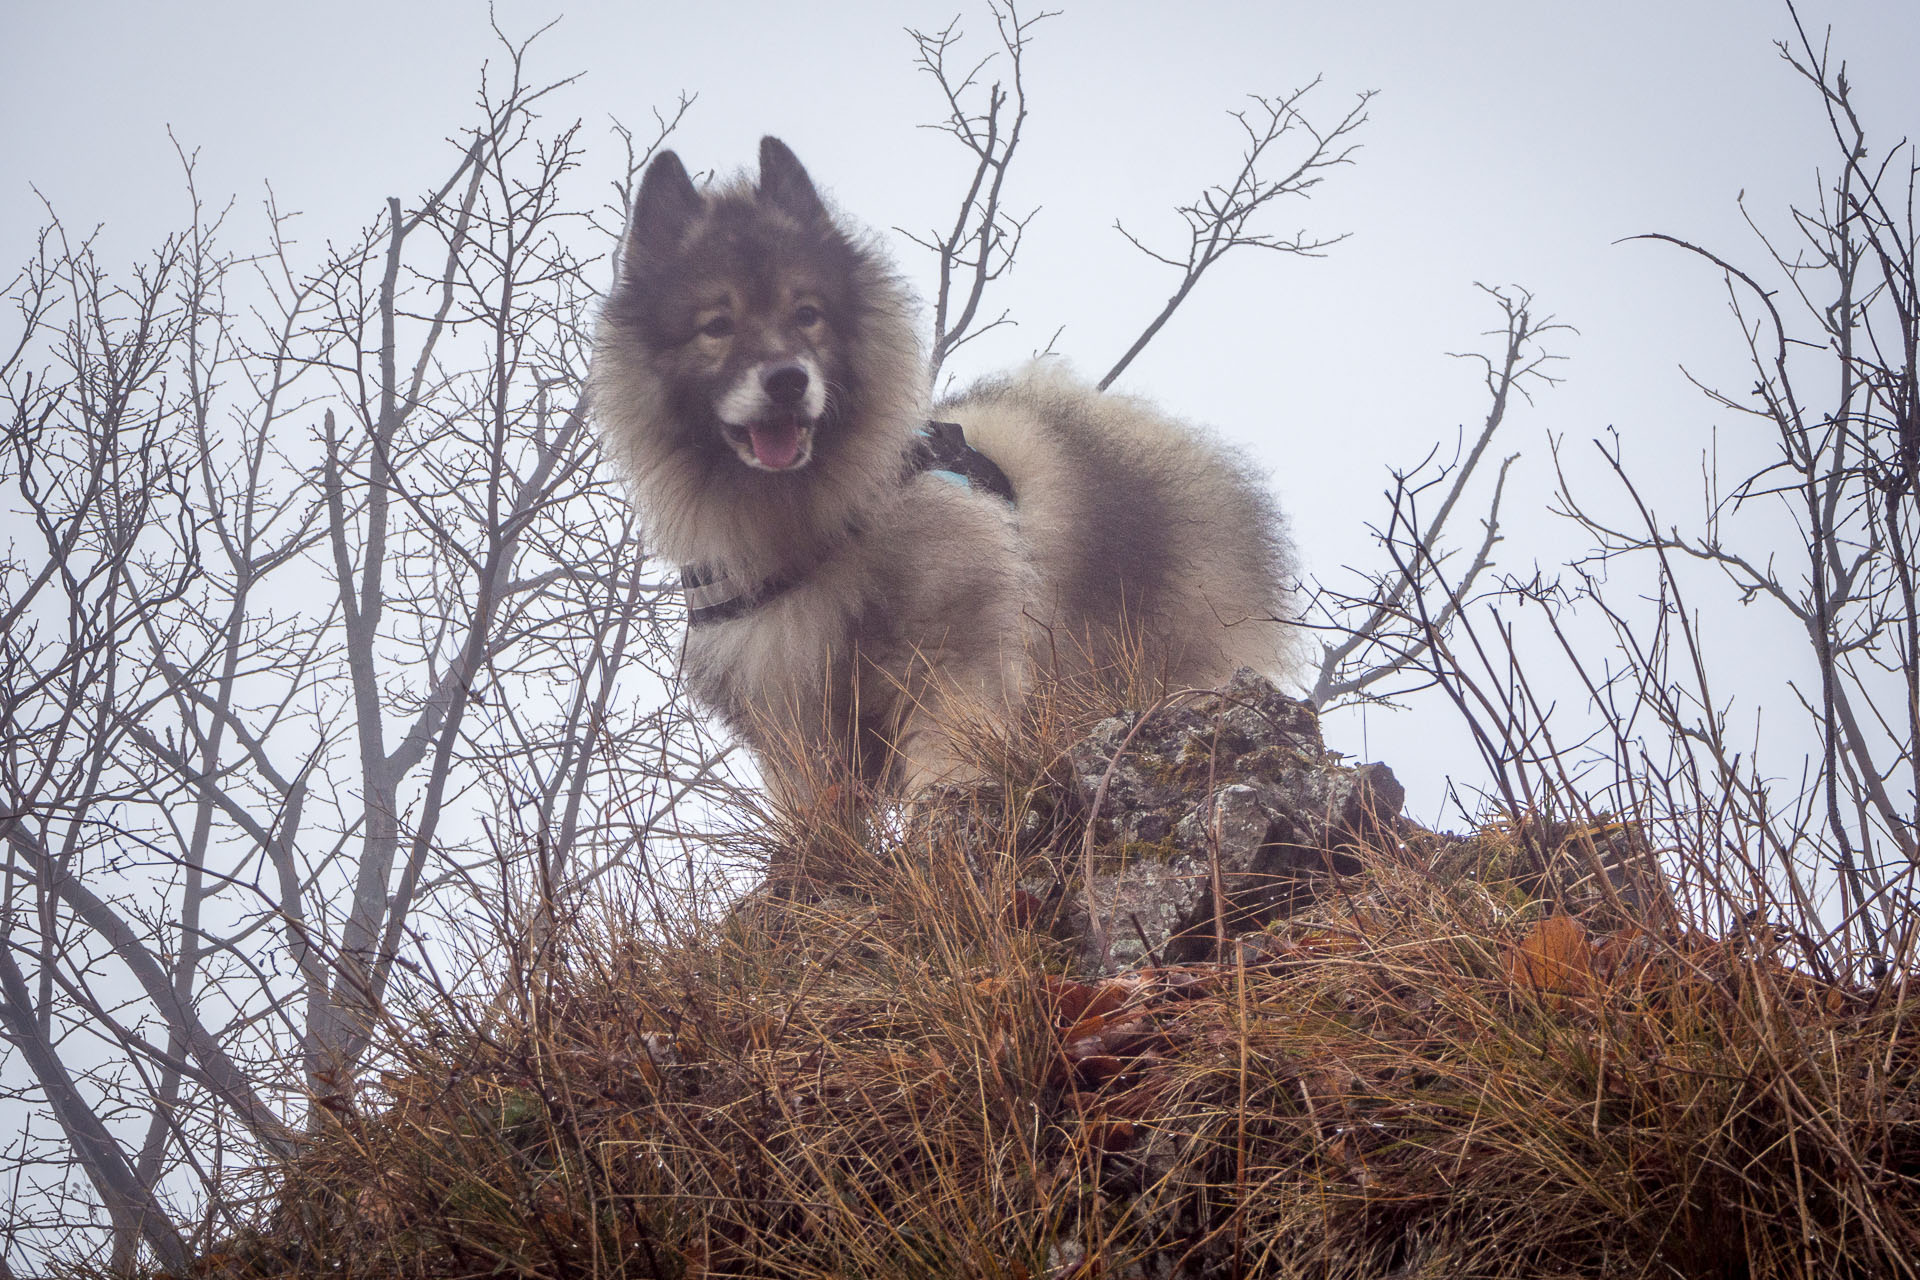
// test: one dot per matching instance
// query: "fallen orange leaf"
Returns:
(1555, 957)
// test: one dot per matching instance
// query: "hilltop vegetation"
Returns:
(1454, 1060)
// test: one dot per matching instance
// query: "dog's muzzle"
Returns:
(769, 414)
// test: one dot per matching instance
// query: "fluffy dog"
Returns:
(757, 371)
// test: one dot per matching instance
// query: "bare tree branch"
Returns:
(1376, 636)
(980, 246)
(1222, 218)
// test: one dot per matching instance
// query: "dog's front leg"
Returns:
(948, 730)
(926, 758)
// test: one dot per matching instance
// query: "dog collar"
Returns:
(715, 597)
(942, 448)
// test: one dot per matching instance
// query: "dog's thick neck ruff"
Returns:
(941, 450)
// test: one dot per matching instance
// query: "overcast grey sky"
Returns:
(1510, 142)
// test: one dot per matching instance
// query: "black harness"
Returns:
(941, 449)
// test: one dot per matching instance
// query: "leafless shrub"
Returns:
(1830, 320)
(1823, 864)
(323, 608)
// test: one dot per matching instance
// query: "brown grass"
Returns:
(1431, 1072)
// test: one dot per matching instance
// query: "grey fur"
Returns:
(916, 605)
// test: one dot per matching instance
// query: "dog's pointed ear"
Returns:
(784, 183)
(666, 206)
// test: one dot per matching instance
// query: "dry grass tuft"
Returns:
(1435, 1071)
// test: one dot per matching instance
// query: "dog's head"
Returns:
(749, 301)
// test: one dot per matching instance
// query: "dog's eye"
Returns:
(806, 316)
(718, 327)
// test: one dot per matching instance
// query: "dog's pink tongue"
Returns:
(776, 444)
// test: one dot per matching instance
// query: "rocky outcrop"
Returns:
(1205, 818)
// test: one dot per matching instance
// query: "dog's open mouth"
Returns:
(780, 443)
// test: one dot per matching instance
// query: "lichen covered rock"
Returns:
(1232, 791)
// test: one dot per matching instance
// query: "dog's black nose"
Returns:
(785, 385)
